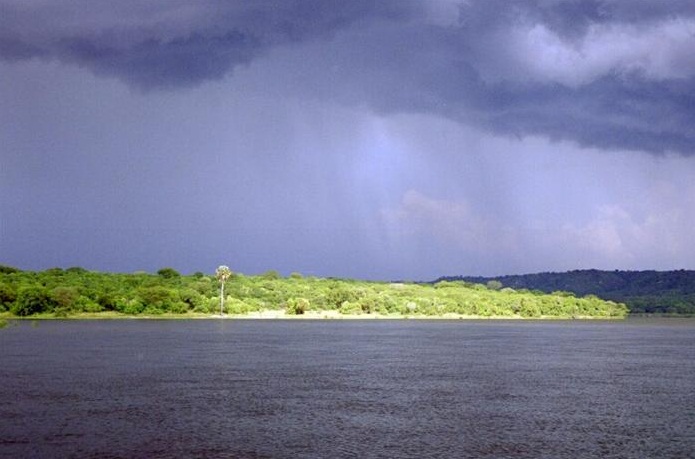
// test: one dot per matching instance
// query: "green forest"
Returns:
(75, 291)
(651, 292)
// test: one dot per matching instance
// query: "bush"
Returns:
(340, 294)
(107, 301)
(191, 298)
(87, 305)
(494, 285)
(157, 298)
(152, 311)
(4, 269)
(65, 297)
(271, 275)
(8, 295)
(529, 308)
(212, 305)
(131, 306)
(205, 286)
(32, 300)
(297, 306)
(350, 308)
(168, 273)
(369, 304)
(236, 306)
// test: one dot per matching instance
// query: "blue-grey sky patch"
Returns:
(392, 140)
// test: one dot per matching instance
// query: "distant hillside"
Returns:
(643, 291)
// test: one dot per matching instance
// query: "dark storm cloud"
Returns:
(171, 43)
(604, 73)
(609, 113)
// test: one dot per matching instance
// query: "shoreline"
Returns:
(281, 315)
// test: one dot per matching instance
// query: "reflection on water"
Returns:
(249, 389)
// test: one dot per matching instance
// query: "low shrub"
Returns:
(32, 300)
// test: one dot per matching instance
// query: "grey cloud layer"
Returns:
(171, 43)
(605, 73)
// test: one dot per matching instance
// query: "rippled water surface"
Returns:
(251, 389)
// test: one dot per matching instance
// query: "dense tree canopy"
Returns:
(671, 292)
(64, 292)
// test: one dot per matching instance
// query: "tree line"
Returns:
(664, 292)
(65, 292)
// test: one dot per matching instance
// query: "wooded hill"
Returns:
(671, 292)
(58, 292)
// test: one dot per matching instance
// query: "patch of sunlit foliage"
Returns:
(65, 292)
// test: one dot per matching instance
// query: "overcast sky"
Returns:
(379, 140)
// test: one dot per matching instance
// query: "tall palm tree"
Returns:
(222, 274)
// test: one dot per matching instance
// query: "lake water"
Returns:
(325, 389)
